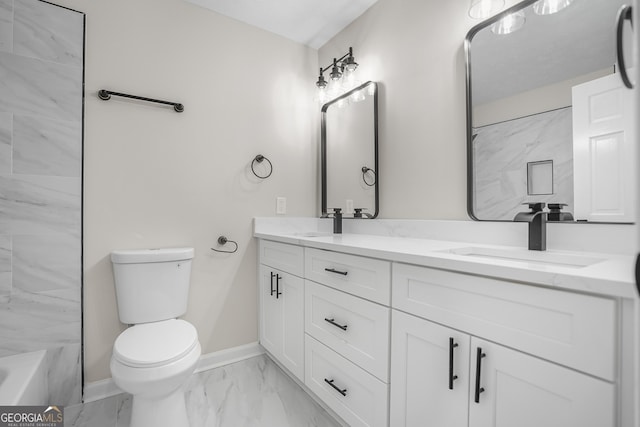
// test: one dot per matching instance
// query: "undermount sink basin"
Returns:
(521, 255)
(314, 234)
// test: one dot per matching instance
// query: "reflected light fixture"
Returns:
(548, 7)
(341, 76)
(510, 23)
(482, 9)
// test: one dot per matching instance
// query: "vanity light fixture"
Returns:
(482, 9)
(341, 75)
(548, 7)
(510, 23)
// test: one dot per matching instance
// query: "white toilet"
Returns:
(153, 358)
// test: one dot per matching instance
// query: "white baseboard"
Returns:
(228, 356)
(102, 389)
(99, 390)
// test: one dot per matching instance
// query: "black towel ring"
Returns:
(364, 176)
(258, 159)
(222, 240)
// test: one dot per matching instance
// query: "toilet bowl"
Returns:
(153, 358)
(152, 361)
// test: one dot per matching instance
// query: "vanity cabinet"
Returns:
(281, 302)
(386, 343)
(454, 375)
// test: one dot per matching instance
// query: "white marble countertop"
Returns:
(611, 275)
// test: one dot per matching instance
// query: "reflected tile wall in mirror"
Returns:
(501, 152)
(41, 102)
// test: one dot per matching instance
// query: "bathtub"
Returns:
(23, 379)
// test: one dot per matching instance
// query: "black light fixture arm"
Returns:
(335, 60)
(337, 67)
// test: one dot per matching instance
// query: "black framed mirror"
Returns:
(349, 153)
(534, 97)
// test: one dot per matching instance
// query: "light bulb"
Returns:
(322, 95)
(482, 9)
(548, 7)
(509, 24)
(348, 79)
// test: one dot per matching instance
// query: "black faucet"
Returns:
(357, 213)
(537, 220)
(556, 214)
(337, 220)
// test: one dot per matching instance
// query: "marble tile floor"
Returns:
(250, 393)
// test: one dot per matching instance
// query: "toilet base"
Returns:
(170, 410)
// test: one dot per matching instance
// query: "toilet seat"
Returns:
(154, 344)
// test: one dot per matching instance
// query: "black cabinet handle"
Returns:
(625, 13)
(452, 377)
(333, 270)
(341, 391)
(278, 293)
(272, 276)
(479, 356)
(332, 321)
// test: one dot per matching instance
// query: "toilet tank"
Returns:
(151, 284)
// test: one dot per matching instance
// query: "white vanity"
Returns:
(393, 331)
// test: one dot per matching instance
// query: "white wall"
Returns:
(414, 49)
(546, 98)
(155, 178)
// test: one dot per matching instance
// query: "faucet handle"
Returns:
(557, 206)
(535, 206)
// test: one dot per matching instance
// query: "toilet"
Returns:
(153, 358)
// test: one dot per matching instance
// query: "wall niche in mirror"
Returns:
(545, 107)
(349, 145)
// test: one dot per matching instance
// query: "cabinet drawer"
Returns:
(354, 394)
(365, 277)
(571, 329)
(289, 258)
(355, 328)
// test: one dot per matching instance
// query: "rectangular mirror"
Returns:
(349, 151)
(548, 120)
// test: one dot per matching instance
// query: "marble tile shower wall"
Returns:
(501, 152)
(41, 104)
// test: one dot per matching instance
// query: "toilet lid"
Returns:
(152, 344)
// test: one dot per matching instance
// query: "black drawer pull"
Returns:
(452, 377)
(479, 356)
(330, 382)
(278, 293)
(333, 322)
(333, 270)
(272, 276)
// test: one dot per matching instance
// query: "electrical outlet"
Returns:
(349, 209)
(281, 205)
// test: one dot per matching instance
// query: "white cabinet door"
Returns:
(604, 151)
(282, 318)
(514, 389)
(270, 313)
(423, 389)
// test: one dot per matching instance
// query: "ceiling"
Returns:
(548, 49)
(309, 22)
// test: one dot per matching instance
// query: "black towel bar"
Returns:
(105, 95)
